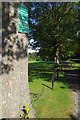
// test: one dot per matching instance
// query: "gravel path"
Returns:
(72, 78)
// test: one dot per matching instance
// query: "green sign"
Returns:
(23, 19)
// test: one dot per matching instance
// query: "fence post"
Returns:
(53, 81)
(57, 72)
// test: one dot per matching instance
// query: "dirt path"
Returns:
(72, 78)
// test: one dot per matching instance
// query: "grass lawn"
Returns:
(75, 65)
(55, 103)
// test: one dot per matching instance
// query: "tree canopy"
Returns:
(55, 25)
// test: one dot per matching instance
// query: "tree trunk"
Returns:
(0, 59)
(57, 57)
(15, 89)
(57, 61)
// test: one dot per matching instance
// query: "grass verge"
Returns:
(55, 103)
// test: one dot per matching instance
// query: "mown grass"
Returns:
(55, 103)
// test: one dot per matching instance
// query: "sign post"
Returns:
(23, 19)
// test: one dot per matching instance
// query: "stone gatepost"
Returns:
(15, 89)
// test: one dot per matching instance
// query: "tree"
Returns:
(15, 89)
(34, 57)
(55, 28)
(77, 49)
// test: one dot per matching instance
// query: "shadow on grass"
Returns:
(41, 70)
(47, 86)
(44, 71)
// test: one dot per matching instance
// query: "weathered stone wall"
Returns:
(15, 90)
